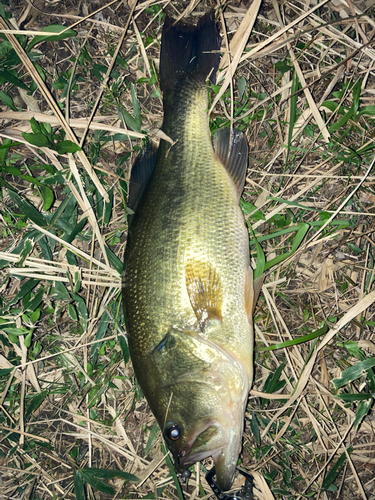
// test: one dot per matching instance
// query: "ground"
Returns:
(73, 421)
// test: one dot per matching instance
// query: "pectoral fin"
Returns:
(203, 285)
(232, 151)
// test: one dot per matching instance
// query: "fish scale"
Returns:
(187, 285)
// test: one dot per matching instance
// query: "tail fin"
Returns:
(189, 51)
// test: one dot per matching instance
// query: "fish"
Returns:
(188, 289)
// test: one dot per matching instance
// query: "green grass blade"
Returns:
(353, 373)
(79, 488)
(172, 472)
(301, 233)
(261, 259)
(292, 113)
(299, 340)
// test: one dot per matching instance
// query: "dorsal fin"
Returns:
(232, 151)
(141, 173)
(203, 285)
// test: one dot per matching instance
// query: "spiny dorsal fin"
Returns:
(203, 285)
(141, 173)
(232, 151)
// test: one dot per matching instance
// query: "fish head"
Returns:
(204, 426)
(200, 403)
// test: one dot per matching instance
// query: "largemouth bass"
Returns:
(188, 286)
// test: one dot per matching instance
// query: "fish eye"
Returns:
(173, 431)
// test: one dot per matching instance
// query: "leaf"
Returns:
(341, 121)
(27, 249)
(7, 100)
(152, 436)
(172, 472)
(49, 168)
(241, 84)
(36, 402)
(353, 347)
(4, 149)
(16, 331)
(261, 259)
(82, 311)
(115, 262)
(36, 314)
(29, 285)
(356, 96)
(5, 371)
(353, 373)
(331, 105)
(362, 410)
(54, 28)
(283, 67)
(103, 325)
(335, 470)
(272, 381)
(64, 147)
(248, 208)
(30, 303)
(109, 473)
(59, 291)
(350, 398)
(254, 426)
(77, 229)
(128, 119)
(292, 113)
(79, 489)
(72, 312)
(36, 127)
(9, 77)
(301, 233)
(47, 197)
(124, 348)
(298, 340)
(45, 247)
(136, 108)
(367, 110)
(39, 140)
(27, 209)
(38, 68)
(97, 484)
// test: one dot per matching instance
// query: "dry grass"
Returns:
(68, 400)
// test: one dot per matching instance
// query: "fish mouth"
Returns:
(223, 448)
(208, 442)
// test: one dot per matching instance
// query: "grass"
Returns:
(77, 106)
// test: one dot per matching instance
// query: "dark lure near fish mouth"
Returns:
(188, 286)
